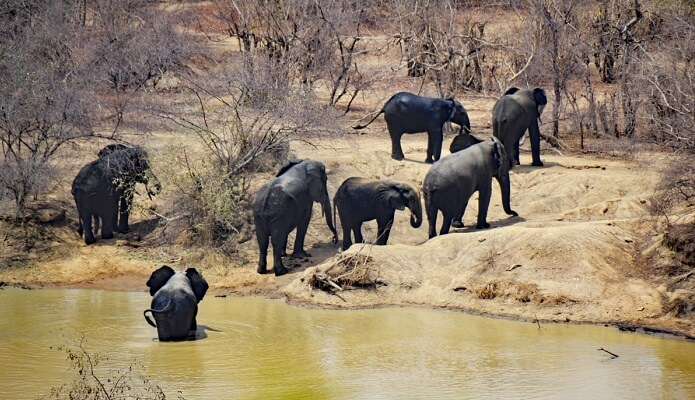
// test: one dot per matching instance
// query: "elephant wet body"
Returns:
(517, 111)
(285, 204)
(451, 182)
(358, 200)
(175, 298)
(407, 113)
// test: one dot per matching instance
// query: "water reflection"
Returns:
(254, 348)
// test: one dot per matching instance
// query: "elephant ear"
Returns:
(395, 197)
(198, 283)
(287, 166)
(539, 97)
(159, 278)
(498, 156)
(511, 90)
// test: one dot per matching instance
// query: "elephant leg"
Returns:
(434, 145)
(535, 134)
(516, 153)
(358, 233)
(107, 225)
(384, 230)
(432, 212)
(263, 241)
(458, 218)
(396, 150)
(301, 234)
(446, 224)
(194, 323)
(87, 229)
(126, 202)
(279, 241)
(483, 203)
(347, 240)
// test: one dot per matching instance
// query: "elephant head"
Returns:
(159, 278)
(399, 196)
(131, 165)
(458, 115)
(500, 167)
(462, 141)
(318, 189)
(537, 95)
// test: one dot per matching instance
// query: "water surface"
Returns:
(269, 350)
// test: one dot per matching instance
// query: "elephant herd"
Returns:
(285, 203)
(103, 192)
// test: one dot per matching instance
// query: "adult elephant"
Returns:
(409, 113)
(358, 200)
(451, 182)
(175, 298)
(285, 204)
(103, 190)
(129, 166)
(517, 111)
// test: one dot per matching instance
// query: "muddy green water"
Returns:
(269, 350)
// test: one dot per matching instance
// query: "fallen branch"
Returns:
(613, 355)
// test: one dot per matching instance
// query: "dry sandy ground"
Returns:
(570, 255)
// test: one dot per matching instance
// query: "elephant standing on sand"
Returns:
(358, 200)
(175, 298)
(285, 204)
(103, 190)
(451, 182)
(410, 113)
(515, 112)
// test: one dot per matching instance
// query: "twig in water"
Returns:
(613, 355)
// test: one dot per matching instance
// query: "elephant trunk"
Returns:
(415, 211)
(504, 183)
(326, 208)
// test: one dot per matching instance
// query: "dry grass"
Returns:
(347, 272)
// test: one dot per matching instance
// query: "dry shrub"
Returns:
(681, 239)
(348, 271)
(677, 187)
(487, 292)
(93, 382)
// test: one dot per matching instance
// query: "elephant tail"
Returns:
(153, 311)
(357, 127)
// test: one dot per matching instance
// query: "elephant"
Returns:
(451, 182)
(129, 165)
(285, 204)
(175, 298)
(358, 200)
(103, 190)
(515, 112)
(462, 141)
(409, 113)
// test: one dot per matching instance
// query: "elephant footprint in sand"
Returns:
(451, 182)
(358, 200)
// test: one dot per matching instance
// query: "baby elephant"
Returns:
(359, 200)
(452, 181)
(175, 298)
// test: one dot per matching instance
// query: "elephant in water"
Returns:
(451, 182)
(358, 200)
(285, 204)
(515, 112)
(410, 113)
(175, 298)
(103, 190)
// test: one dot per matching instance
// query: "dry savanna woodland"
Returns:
(221, 94)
